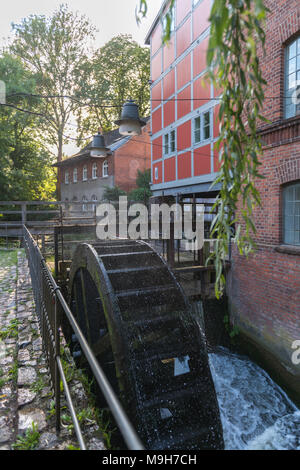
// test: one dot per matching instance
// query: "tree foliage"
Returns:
(143, 191)
(233, 57)
(54, 49)
(26, 171)
(117, 71)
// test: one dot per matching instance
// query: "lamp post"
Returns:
(97, 147)
(130, 122)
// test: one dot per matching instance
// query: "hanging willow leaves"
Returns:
(236, 38)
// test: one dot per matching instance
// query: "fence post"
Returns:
(57, 373)
(24, 218)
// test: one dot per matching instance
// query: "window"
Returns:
(75, 175)
(156, 173)
(105, 169)
(84, 206)
(292, 79)
(169, 143)
(291, 214)
(84, 173)
(202, 127)
(94, 171)
(94, 199)
(66, 177)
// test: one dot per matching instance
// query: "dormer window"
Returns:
(292, 79)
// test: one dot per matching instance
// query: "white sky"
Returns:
(111, 17)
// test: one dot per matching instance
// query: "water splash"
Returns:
(255, 412)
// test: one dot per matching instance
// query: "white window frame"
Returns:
(169, 142)
(156, 173)
(94, 171)
(105, 169)
(95, 200)
(201, 131)
(291, 213)
(84, 173)
(75, 175)
(84, 206)
(292, 79)
(67, 179)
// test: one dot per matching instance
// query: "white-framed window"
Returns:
(291, 213)
(202, 127)
(170, 142)
(156, 173)
(105, 169)
(84, 173)
(94, 171)
(66, 177)
(94, 199)
(75, 175)
(84, 206)
(292, 79)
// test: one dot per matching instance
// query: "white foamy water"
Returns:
(255, 412)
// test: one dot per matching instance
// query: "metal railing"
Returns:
(49, 301)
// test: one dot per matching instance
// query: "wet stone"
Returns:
(48, 440)
(23, 355)
(25, 396)
(27, 416)
(26, 376)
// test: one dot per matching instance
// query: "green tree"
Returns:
(113, 194)
(26, 171)
(143, 191)
(54, 49)
(118, 70)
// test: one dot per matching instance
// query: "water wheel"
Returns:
(141, 328)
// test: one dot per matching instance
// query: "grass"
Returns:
(28, 442)
(8, 258)
(10, 331)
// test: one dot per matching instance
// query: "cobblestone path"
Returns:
(25, 393)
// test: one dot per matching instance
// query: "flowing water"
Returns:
(255, 412)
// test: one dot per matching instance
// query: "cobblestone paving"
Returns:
(25, 393)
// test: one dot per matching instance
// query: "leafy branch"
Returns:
(236, 40)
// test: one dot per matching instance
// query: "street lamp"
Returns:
(130, 122)
(97, 147)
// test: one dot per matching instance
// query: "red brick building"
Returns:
(264, 290)
(84, 178)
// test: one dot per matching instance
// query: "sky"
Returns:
(111, 17)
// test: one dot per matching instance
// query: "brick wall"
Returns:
(264, 290)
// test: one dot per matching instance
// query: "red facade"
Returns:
(181, 92)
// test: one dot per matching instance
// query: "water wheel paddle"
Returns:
(140, 326)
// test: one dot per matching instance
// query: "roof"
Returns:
(113, 139)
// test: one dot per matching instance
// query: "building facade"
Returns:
(84, 178)
(263, 290)
(183, 108)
